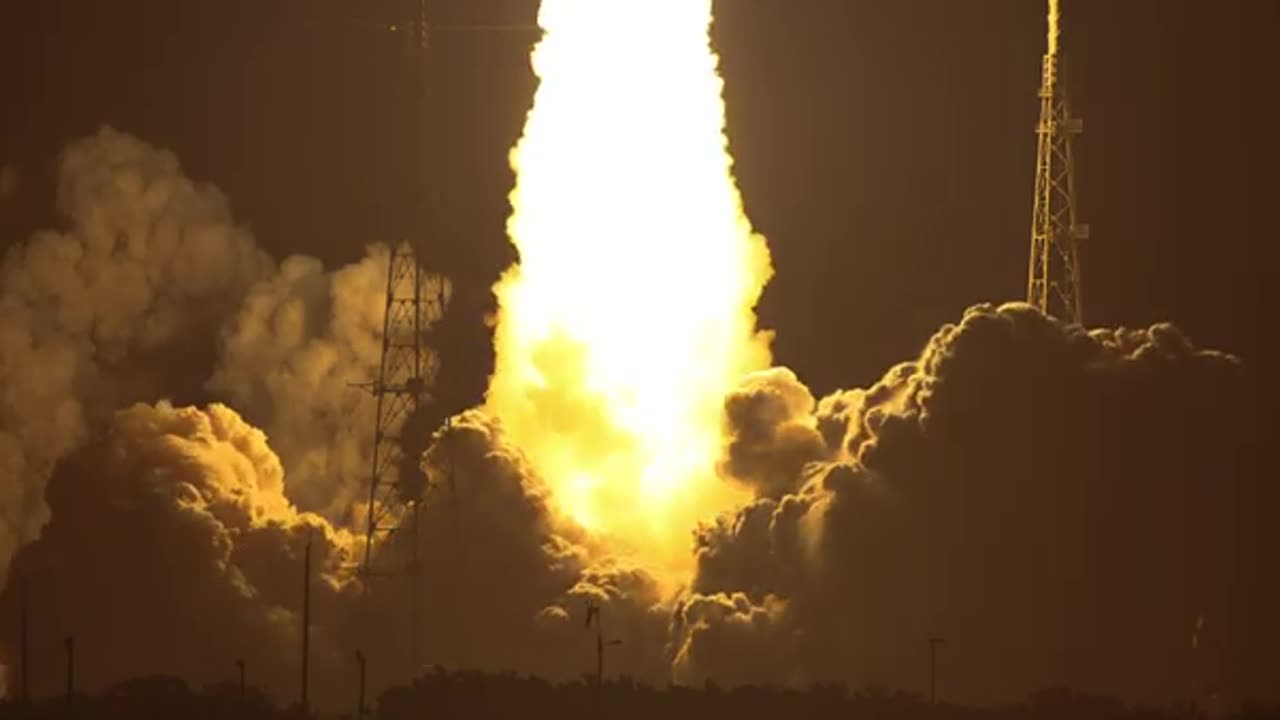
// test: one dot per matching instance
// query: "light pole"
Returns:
(70, 643)
(593, 613)
(934, 642)
(360, 698)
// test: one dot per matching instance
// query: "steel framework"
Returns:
(1053, 277)
(398, 485)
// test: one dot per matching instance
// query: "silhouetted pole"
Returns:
(70, 643)
(360, 699)
(24, 658)
(240, 668)
(599, 657)
(593, 613)
(415, 593)
(306, 625)
(933, 669)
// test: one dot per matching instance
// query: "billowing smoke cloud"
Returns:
(104, 311)
(153, 291)
(172, 549)
(1060, 505)
(1064, 507)
(174, 541)
(289, 361)
(771, 433)
(710, 628)
(511, 580)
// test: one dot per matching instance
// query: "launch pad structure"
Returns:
(397, 483)
(1053, 275)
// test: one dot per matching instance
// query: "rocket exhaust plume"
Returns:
(630, 314)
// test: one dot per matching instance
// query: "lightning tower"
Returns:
(414, 299)
(396, 482)
(1053, 276)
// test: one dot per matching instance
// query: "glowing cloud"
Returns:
(630, 314)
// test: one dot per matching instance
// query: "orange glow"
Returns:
(630, 314)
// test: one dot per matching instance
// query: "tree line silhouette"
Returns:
(477, 695)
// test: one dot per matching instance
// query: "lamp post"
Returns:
(934, 642)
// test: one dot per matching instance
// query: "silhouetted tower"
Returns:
(1053, 277)
(397, 484)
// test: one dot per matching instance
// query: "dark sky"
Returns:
(884, 146)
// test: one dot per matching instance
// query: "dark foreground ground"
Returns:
(475, 696)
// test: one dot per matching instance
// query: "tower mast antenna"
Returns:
(1053, 275)
(397, 484)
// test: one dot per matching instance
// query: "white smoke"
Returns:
(933, 512)
(288, 361)
(145, 266)
(154, 292)
(174, 514)
(150, 291)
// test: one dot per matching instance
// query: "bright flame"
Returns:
(630, 314)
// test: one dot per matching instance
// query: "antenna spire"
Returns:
(1055, 25)
(1053, 276)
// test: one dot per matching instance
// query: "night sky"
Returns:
(885, 148)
